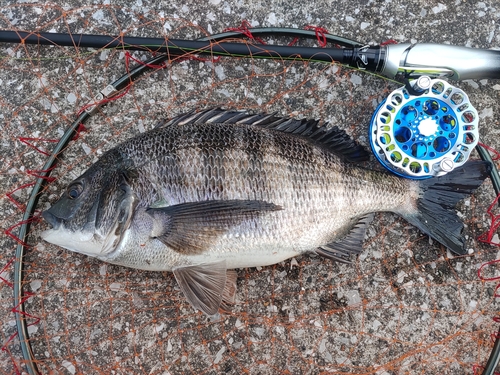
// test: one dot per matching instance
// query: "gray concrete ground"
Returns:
(404, 307)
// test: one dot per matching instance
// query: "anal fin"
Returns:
(229, 293)
(341, 249)
(207, 286)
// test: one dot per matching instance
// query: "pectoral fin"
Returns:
(341, 249)
(190, 228)
(207, 286)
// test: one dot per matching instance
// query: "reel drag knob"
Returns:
(425, 133)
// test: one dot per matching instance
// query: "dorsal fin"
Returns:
(333, 139)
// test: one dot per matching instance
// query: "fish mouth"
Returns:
(78, 241)
(52, 219)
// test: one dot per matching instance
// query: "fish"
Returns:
(209, 192)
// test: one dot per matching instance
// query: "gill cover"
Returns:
(125, 213)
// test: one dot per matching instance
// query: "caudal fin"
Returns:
(436, 215)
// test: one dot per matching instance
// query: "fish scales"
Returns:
(221, 162)
(199, 197)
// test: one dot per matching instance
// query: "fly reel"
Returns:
(425, 129)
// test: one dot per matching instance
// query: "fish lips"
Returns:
(51, 234)
(52, 219)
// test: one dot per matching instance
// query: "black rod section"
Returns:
(364, 58)
(172, 46)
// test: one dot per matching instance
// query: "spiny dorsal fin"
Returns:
(333, 139)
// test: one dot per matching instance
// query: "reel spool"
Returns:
(426, 133)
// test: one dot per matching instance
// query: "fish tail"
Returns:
(438, 196)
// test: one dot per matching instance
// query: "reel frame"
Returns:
(424, 129)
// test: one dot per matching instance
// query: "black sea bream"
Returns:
(209, 192)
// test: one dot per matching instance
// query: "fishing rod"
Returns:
(392, 61)
(425, 129)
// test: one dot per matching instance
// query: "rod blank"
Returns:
(178, 47)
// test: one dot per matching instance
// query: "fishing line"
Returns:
(372, 59)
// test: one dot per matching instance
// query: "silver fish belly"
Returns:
(218, 190)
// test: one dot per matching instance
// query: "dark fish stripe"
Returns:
(213, 173)
(301, 158)
(255, 149)
(289, 148)
(216, 144)
(177, 182)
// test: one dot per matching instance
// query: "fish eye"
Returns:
(75, 190)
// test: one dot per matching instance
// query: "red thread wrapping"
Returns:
(129, 57)
(320, 34)
(496, 154)
(26, 140)
(35, 173)
(9, 233)
(39, 173)
(15, 309)
(18, 204)
(213, 59)
(390, 41)
(244, 29)
(478, 370)
(295, 40)
(27, 295)
(494, 336)
(81, 128)
(5, 269)
(487, 237)
(99, 103)
(479, 271)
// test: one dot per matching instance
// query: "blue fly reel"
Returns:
(427, 133)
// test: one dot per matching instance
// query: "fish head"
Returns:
(93, 214)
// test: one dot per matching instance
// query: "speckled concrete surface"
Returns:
(404, 307)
